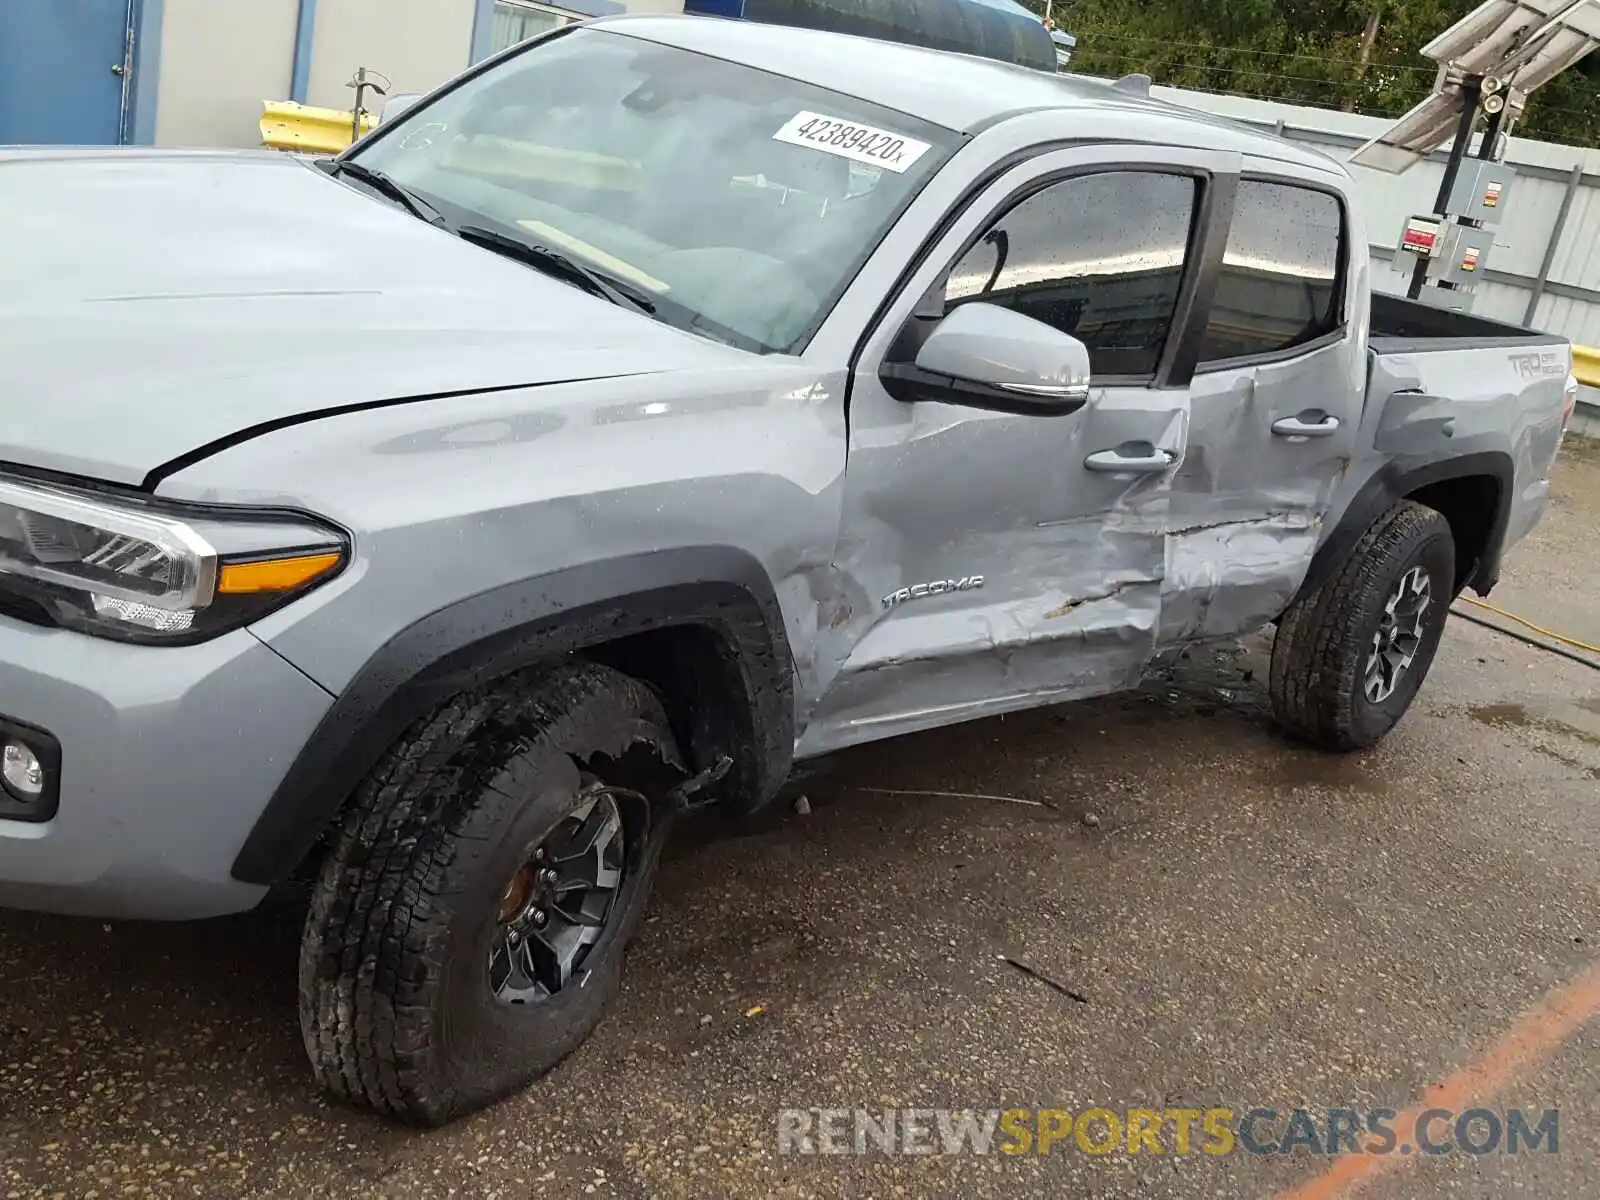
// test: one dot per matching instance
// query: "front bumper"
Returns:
(168, 756)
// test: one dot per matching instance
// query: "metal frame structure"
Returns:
(1490, 62)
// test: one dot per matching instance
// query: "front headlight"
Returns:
(128, 569)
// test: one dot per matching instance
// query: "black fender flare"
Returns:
(1393, 483)
(484, 637)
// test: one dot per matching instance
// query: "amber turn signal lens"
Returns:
(274, 574)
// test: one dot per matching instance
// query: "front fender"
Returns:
(484, 637)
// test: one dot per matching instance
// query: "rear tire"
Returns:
(435, 868)
(1349, 656)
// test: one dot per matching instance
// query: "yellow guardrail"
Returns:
(286, 125)
(1586, 365)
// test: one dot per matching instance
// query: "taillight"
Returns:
(1567, 409)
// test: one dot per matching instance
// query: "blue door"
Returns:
(63, 67)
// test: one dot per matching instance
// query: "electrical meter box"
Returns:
(1462, 257)
(1480, 190)
(1421, 236)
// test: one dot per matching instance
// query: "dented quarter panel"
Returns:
(1447, 409)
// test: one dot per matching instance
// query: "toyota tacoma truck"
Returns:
(658, 404)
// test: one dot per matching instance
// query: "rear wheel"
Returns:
(467, 930)
(1349, 657)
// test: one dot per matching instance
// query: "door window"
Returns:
(1280, 285)
(1101, 257)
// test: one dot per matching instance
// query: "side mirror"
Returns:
(984, 356)
(395, 105)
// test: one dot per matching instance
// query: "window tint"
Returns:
(1280, 277)
(1099, 256)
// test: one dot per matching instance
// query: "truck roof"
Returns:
(958, 91)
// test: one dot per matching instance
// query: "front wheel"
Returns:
(1349, 656)
(468, 927)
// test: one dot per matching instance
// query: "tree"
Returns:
(1358, 55)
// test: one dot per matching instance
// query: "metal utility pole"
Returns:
(363, 84)
(1470, 91)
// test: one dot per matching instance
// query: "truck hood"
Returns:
(153, 303)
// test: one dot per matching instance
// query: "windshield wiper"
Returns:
(553, 262)
(384, 184)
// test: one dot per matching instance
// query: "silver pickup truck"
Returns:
(660, 403)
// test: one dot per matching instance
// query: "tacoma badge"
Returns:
(935, 587)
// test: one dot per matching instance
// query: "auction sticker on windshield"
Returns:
(851, 139)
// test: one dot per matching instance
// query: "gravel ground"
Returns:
(1193, 914)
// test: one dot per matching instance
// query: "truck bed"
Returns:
(1401, 326)
(1452, 390)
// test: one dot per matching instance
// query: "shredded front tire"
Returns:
(398, 1008)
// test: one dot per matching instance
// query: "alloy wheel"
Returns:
(1399, 634)
(558, 903)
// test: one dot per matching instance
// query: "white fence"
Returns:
(1545, 268)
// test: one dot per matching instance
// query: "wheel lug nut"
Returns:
(513, 937)
(548, 875)
(538, 916)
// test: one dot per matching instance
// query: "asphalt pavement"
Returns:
(1153, 902)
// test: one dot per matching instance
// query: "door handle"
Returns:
(1142, 464)
(1298, 426)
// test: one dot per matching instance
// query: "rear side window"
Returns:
(1101, 257)
(1281, 283)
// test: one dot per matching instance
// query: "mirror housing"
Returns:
(985, 356)
(395, 105)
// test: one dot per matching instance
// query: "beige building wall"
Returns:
(417, 44)
(219, 60)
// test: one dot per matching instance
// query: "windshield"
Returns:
(738, 202)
